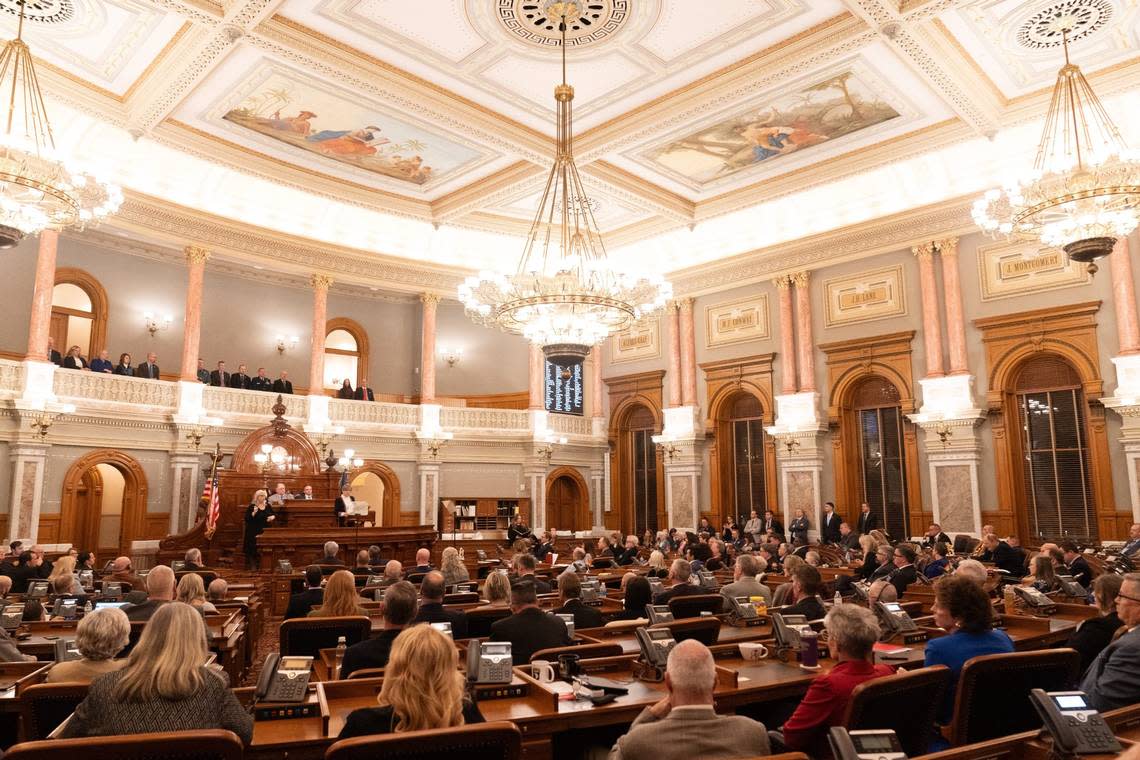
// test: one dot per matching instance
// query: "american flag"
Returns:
(212, 494)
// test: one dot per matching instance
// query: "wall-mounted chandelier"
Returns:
(38, 188)
(1084, 190)
(564, 296)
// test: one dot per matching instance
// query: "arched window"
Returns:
(346, 353)
(744, 431)
(1055, 454)
(78, 313)
(641, 428)
(878, 413)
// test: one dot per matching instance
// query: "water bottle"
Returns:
(838, 600)
(87, 607)
(341, 646)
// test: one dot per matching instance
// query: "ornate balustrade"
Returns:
(569, 424)
(502, 420)
(103, 389)
(343, 411)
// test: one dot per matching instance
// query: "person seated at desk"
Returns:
(848, 539)
(34, 611)
(453, 569)
(940, 565)
(5, 586)
(544, 546)
(192, 562)
(1133, 544)
(744, 582)
(393, 571)
(638, 595)
(306, 494)
(524, 565)
(1113, 678)
(851, 635)
(570, 594)
(1044, 577)
(362, 567)
(529, 629)
(25, 571)
(934, 535)
(330, 557)
(122, 572)
(685, 724)
(656, 565)
(903, 573)
(1094, 634)
(400, 605)
(496, 590)
(518, 529)
(963, 609)
(64, 568)
(341, 598)
(375, 561)
(627, 554)
(1077, 565)
(280, 495)
(1003, 556)
(313, 595)
(63, 587)
(806, 585)
(881, 591)
(432, 609)
(717, 557)
(423, 689)
(100, 636)
(217, 590)
(423, 561)
(159, 592)
(974, 570)
(164, 686)
(680, 573)
(192, 591)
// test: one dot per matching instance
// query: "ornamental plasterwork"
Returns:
(115, 388)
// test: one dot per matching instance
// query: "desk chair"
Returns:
(415, 578)
(584, 652)
(483, 741)
(307, 636)
(174, 745)
(704, 630)
(461, 597)
(905, 702)
(479, 621)
(366, 673)
(46, 705)
(692, 605)
(993, 692)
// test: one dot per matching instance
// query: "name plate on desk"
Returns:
(286, 710)
(516, 688)
(914, 637)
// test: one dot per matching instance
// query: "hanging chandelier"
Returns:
(1084, 190)
(39, 189)
(564, 295)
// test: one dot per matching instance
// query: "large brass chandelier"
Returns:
(1084, 189)
(39, 189)
(564, 296)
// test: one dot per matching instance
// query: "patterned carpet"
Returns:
(263, 647)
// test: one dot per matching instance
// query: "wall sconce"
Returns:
(791, 444)
(325, 439)
(44, 420)
(284, 344)
(153, 324)
(451, 355)
(198, 432)
(433, 446)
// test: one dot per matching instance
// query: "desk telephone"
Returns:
(66, 650)
(658, 613)
(1034, 598)
(656, 644)
(86, 579)
(37, 589)
(1076, 728)
(893, 618)
(569, 621)
(284, 679)
(65, 608)
(1070, 586)
(12, 616)
(112, 590)
(744, 609)
(787, 629)
(875, 744)
(489, 661)
(655, 587)
(707, 579)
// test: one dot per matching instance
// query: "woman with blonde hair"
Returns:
(258, 515)
(192, 591)
(423, 689)
(165, 686)
(100, 636)
(452, 567)
(497, 590)
(64, 567)
(657, 567)
(341, 599)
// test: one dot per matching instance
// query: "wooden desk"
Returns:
(302, 546)
(314, 513)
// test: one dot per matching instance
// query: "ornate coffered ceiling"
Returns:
(418, 134)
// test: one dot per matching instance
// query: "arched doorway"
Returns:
(567, 500)
(103, 503)
(377, 484)
(78, 313)
(639, 474)
(742, 458)
(346, 353)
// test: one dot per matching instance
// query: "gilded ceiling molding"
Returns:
(500, 186)
(629, 187)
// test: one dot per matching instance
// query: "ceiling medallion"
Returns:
(564, 296)
(534, 21)
(1074, 19)
(41, 11)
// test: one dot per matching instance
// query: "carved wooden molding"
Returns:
(134, 513)
(627, 393)
(357, 331)
(390, 513)
(100, 306)
(582, 508)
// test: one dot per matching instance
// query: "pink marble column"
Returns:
(806, 339)
(427, 349)
(931, 323)
(321, 283)
(196, 259)
(1124, 298)
(599, 387)
(787, 336)
(536, 377)
(674, 337)
(955, 316)
(39, 328)
(688, 354)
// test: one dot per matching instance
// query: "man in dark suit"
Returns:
(529, 629)
(219, 377)
(904, 573)
(240, 379)
(283, 384)
(1133, 544)
(193, 560)
(544, 546)
(772, 525)
(848, 539)
(1113, 678)
(148, 369)
(330, 558)
(203, 374)
(312, 596)
(524, 569)
(54, 356)
(400, 607)
(363, 392)
(679, 574)
(1004, 556)
(868, 520)
(570, 594)
(829, 525)
(432, 609)
(934, 535)
(261, 381)
(1078, 565)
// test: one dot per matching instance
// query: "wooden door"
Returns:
(88, 511)
(58, 331)
(563, 505)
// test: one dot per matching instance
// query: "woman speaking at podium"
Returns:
(258, 515)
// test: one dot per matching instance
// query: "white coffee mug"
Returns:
(542, 671)
(753, 651)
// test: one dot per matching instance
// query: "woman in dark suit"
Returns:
(258, 515)
(343, 503)
(74, 360)
(1094, 634)
(345, 390)
(799, 529)
(638, 593)
(124, 366)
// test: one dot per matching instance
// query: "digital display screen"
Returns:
(108, 605)
(1071, 702)
(660, 634)
(444, 627)
(563, 389)
(894, 607)
(294, 663)
(873, 742)
(497, 649)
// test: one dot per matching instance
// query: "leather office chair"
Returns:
(307, 636)
(479, 621)
(483, 741)
(905, 702)
(46, 705)
(461, 597)
(704, 630)
(691, 606)
(415, 578)
(602, 562)
(964, 544)
(993, 692)
(207, 576)
(366, 673)
(173, 745)
(584, 651)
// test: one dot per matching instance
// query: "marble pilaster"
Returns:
(955, 316)
(534, 471)
(683, 485)
(191, 339)
(804, 333)
(673, 335)
(598, 387)
(185, 486)
(953, 452)
(321, 285)
(788, 383)
(536, 377)
(427, 348)
(598, 496)
(688, 354)
(799, 462)
(39, 324)
(29, 462)
(931, 322)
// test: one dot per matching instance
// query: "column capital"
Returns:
(800, 278)
(947, 246)
(685, 304)
(783, 282)
(196, 254)
(429, 299)
(321, 281)
(924, 251)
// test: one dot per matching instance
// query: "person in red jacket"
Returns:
(852, 633)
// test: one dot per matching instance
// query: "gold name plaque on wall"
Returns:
(1015, 269)
(642, 341)
(737, 321)
(866, 296)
